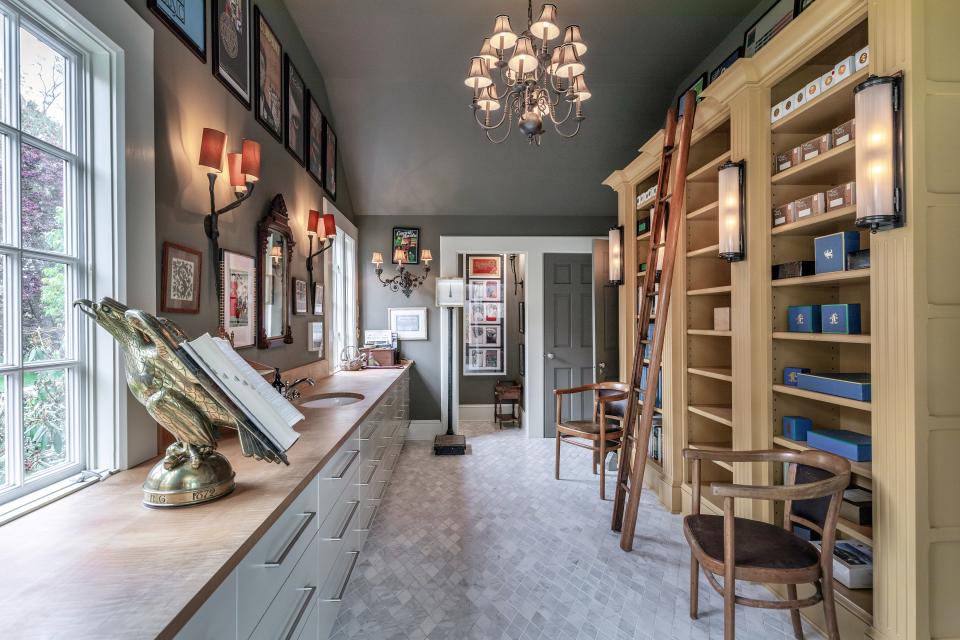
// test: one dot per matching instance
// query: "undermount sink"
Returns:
(330, 400)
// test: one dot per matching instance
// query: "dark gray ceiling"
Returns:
(394, 76)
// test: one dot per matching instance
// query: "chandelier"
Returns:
(536, 78)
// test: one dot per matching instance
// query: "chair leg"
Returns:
(729, 610)
(556, 471)
(603, 475)
(795, 613)
(830, 610)
(694, 587)
(595, 457)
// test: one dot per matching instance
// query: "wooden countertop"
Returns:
(98, 564)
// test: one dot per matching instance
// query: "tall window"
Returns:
(344, 295)
(42, 212)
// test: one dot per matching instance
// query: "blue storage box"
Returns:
(848, 444)
(790, 375)
(855, 386)
(830, 252)
(840, 318)
(796, 427)
(804, 318)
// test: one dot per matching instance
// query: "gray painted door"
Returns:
(567, 334)
(606, 307)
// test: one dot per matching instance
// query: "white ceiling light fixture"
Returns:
(535, 78)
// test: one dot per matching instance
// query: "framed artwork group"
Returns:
(484, 318)
(249, 60)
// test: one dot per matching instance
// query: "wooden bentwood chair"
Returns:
(603, 432)
(743, 549)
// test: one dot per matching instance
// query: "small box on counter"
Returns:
(784, 214)
(858, 260)
(814, 88)
(794, 269)
(853, 386)
(796, 427)
(786, 159)
(861, 58)
(844, 133)
(843, 69)
(840, 318)
(857, 506)
(721, 318)
(811, 205)
(852, 564)
(842, 195)
(790, 375)
(804, 318)
(842, 442)
(831, 251)
(813, 148)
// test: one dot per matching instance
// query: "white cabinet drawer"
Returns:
(368, 429)
(217, 618)
(334, 588)
(272, 559)
(336, 476)
(289, 612)
(311, 628)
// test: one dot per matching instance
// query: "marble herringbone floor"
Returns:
(489, 546)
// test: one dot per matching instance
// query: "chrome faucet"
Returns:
(290, 391)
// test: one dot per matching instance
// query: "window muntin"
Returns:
(344, 296)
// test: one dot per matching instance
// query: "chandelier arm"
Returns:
(556, 122)
(476, 116)
(506, 135)
(568, 135)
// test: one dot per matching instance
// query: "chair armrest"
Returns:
(612, 398)
(580, 389)
(781, 493)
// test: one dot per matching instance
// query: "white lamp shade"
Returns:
(479, 75)
(377, 258)
(730, 194)
(877, 153)
(615, 255)
(426, 255)
(487, 99)
(524, 60)
(573, 36)
(546, 27)
(580, 89)
(503, 36)
(489, 54)
(569, 65)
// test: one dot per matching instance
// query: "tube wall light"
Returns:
(615, 256)
(878, 109)
(731, 210)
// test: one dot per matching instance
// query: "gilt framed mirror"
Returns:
(274, 255)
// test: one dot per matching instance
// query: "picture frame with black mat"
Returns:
(230, 46)
(188, 22)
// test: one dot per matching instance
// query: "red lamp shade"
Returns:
(313, 221)
(251, 160)
(234, 161)
(211, 149)
(329, 226)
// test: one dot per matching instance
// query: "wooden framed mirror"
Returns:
(274, 256)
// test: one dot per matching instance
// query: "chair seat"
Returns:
(589, 427)
(758, 547)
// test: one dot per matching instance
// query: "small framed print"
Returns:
(484, 267)
(231, 46)
(317, 299)
(770, 24)
(487, 290)
(314, 139)
(523, 360)
(726, 64)
(485, 313)
(293, 109)
(268, 89)
(188, 21)
(299, 296)
(450, 292)
(315, 337)
(486, 360)
(407, 240)
(522, 323)
(491, 336)
(180, 280)
(475, 335)
(697, 87)
(329, 159)
(409, 323)
(238, 278)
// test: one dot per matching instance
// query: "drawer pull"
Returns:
(378, 454)
(383, 490)
(346, 578)
(373, 514)
(373, 472)
(346, 521)
(308, 517)
(372, 428)
(353, 456)
(396, 458)
(303, 609)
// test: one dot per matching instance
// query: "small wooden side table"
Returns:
(506, 395)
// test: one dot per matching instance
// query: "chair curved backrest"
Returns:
(613, 408)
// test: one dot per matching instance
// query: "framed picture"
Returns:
(238, 309)
(293, 109)
(329, 159)
(268, 90)
(770, 24)
(475, 335)
(299, 296)
(314, 139)
(726, 64)
(315, 337)
(488, 290)
(317, 299)
(484, 313)
(485, 360)
(188, 21)
(407, 239)
(180, 281)
(409, 323)
(483, 267)
(523, 360)
(491, 336)
(697, 87)
(450, 292)
(523, 318)
(230, 22)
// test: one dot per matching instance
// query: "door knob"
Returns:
(602, 366)
(550, 356)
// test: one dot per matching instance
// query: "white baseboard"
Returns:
(476, 413)
(424, 429)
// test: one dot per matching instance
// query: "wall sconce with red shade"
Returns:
(324, 227)
(244, 169)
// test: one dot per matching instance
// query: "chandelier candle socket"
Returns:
(529, 78)
(405, 281)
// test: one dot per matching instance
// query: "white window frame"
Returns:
(344, 298)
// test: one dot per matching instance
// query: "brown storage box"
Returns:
(786, 159)
(721, 318)
(809, 206)
(380, 357)
(842, 195)
(784, 214)
(844, 133)
(813, 148)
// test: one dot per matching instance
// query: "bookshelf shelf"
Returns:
(822, 397)
(818, 224)
(718, 413)
(833, 167)
(709, 332)
(825, 279)
(705, 252)
(824, 112)
(717, 373)
(708, 172)
(862, 469)
(823, 337)
(714, 446)
(710, 291)
(706, 212)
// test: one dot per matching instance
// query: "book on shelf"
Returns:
(852, 564)
(857, 506)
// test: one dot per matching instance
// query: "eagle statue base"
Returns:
(185, 484)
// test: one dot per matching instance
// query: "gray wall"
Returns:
(188, 97)
(375, 235)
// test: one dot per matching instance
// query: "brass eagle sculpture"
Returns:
(176, 393)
